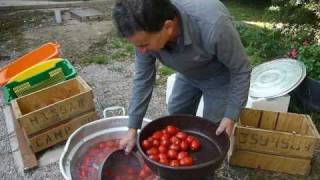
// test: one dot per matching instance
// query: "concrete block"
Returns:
(278, 104)
(86, 14)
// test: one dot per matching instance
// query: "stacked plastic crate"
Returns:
(48, 99)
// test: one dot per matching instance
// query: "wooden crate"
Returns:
(59, 133)
(283, 142)
(54, 105)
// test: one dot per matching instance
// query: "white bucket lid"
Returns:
(276, 78)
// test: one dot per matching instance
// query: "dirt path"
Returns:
(88, 43)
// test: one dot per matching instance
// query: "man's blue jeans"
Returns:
(186, 94)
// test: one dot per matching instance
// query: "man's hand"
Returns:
(225, 125)
(129, 141)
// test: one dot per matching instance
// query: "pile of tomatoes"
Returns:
(88, 166)
(124, 172)
(171, 146)
(90, 162)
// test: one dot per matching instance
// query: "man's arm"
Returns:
(143, 83)
(230, 51)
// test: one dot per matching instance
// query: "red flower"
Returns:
(293, 53)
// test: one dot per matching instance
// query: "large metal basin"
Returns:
(92, 133)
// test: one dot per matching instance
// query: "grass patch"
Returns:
(95, 59)
(13, 23)
(248, 12)
(165, 71)
(112, 47)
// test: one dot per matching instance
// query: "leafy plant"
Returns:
(297, 12)
(262, 43)
(310, 56)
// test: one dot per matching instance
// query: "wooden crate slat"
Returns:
(283, 123)
(47, 96)
(268, 120)
(250, 117)
(289, 122)
(305, 130)
(282, 142)
(296, 121)
(60, 133)
(272, 142)
(57, 112)
(29, 159)
(271, 162)
(313, 130)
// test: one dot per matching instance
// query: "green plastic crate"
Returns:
(62, 71)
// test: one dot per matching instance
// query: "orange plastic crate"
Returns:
(45, 52)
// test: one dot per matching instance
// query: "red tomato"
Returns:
(172, 154)
(153, 151)
(93, 151)
(87, 160)
(157, 135)
(166, 143)
(186, 161)
(174, 163)
(163, 156)
(102, 145)
(175, 140)
(164, 161)
(83, 173)
(111, 144)
(146, 145)
(190, 139)
(172, 130)
(143, 174)
(164, 131)
(181, 135)
(155, 143)
(165, 137)
(130, 177)
(150, 139)
(195, 145)
(184, 145)
(147, 169)
(131, 171)
(100, 156)
(154, 157)
(174, 147)
(182, 154)
(162, 149)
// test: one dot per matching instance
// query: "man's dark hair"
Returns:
(131, 16)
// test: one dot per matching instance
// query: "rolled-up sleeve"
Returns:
(227, 47)
(143, 83)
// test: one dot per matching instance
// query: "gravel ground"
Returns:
(111, 83)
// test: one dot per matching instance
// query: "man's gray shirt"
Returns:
(208, 46)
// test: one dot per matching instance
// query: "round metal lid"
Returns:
(276, 78)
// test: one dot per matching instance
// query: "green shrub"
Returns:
(297, 34)
(297, 12)
(310, 56)
(255, 2)
(297, 15)
(262, 42)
